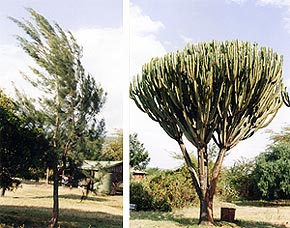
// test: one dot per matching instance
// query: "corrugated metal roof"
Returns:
(95, 165)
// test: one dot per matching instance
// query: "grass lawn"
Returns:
(30, 206)
(246, 217)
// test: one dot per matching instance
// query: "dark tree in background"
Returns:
(22, 146)
(70, 99)
(271, 173)
(139, 156)
(221, 91)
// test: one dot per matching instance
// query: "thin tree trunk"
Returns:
(191, 167)
(3, 192)
(47, 176)
(55, 209)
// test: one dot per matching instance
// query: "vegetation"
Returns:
(22, 146)
(113, 147)
(264, 178)
(70, 98)
(139, 157)
(210, 91)
(163, 191)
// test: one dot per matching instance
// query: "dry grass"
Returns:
(31, 205)
(246, 216)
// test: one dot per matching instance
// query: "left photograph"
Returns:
(61, 136)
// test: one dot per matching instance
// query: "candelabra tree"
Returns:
(221, 91)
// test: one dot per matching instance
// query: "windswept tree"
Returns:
(70, 99)
(221, 91)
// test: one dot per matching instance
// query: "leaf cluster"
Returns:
(139, 156)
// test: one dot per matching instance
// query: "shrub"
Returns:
(140, 196)
(164, 191)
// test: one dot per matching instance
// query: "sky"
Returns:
(156, 27)
(159, 27)
(98, 27)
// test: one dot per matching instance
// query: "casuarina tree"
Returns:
(221, 91)
(70, 99)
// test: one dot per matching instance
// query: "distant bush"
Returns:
(140, 196)
(272, 172)
(164, 190)
(265, 177)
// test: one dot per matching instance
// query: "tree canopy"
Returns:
(22, 147)
(139, 156)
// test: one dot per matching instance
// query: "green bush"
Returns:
(140, 196)
(164, 190)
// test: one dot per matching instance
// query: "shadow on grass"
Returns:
(256, 203)
(188, 222)
(67, 196)
(242, 223)
(38, 217)
(162, 216)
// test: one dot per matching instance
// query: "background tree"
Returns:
(221, 91)
(240, 177)
(282, 137)
(139, 156)
(70, 99)
(272, 172)
(22, 147)
(113, 147)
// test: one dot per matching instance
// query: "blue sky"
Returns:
(156, 27)
(170, 25)
(97, 26)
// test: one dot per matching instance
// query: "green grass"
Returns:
(30, 207)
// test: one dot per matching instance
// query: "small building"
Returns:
(137, 175)
(107, 176)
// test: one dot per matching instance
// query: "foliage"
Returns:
(272, 172)
(113, 147)
(240, 179)
(164, 191)
(139, 157)
(70, 99)
(282, 137)
(22, 147)
(140, 195)
(226, 191)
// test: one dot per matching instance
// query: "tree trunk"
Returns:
(206, 212)
(47, 176)
(55, 209)
(3, 192)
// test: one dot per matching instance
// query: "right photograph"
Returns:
(209, 113)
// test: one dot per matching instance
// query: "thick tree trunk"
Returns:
(206, 212)
(206, 203)
(205, 199)
(204, 185)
